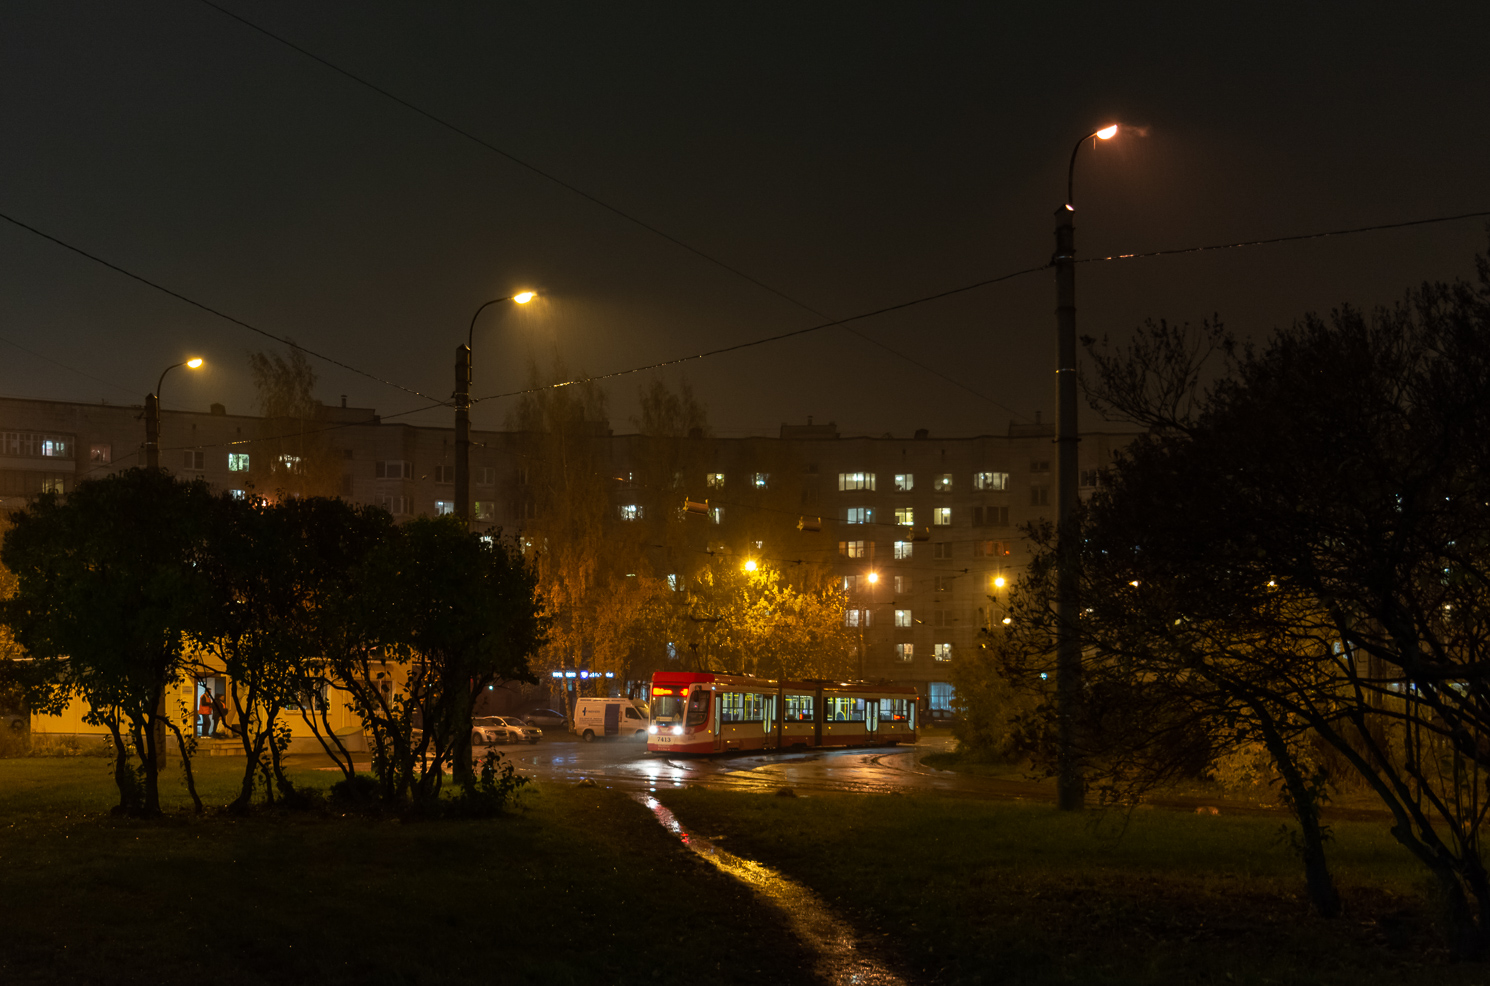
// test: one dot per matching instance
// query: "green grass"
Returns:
(998, 892)
(579, 885)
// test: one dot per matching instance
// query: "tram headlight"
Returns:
(652, 729)
(677, 730)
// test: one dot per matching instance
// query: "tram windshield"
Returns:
(666, 705)
(698, 708)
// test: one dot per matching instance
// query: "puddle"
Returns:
(839, 960)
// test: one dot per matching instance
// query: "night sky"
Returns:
(850, 155)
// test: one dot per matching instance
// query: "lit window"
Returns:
(942, 516)
(760, 480)
(237, 462)
(672, 583)
(904, 482)
(445, 474)
(902, 617)
(856, 617)
(906, 516)
(53, 484)
(902, 583)
(942, 652)
(856, 481)
(631, 511)
(716, 514)
(289, 463)
(905, 652)
(990, 480)
(237, 494)
(850, 583)
(101, 455)
(54, 447)
(715, 480)
(485, 510)
(990, 549)
(902, 550)
(942, 483)
(852, 549)
(858, 515)
(443, 507)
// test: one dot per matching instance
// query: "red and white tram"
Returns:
(714, 713)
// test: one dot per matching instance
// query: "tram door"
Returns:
(871, 715)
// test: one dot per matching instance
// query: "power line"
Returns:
(1285, 239)
(779, 336)
(994, 280)
(208, 308)
(602, 203)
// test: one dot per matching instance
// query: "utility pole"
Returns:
(152, 431)
(1070, 784)
(463, 434)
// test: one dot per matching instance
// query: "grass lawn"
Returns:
(1000, 892)
(579, 885)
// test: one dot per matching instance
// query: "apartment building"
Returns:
(923, 531)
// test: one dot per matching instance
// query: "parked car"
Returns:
(943, 718)
(490, 730)
(530, 734)
(546, 717)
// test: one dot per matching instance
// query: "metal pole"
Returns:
(152, 431)
(1070, 784)
(463, 434)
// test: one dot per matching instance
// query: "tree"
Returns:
(109, 587)
(459, 611)
(292, 453)
(1302, 542)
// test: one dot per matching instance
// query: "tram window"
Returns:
(894, 710)
(799, 708)
(755, 707)
(845, 709)
(731, 707)
(666, 706)
(698, 708)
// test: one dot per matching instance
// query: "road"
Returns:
(625, 764)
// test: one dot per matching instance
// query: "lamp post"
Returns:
(463, 410)
(1070, 784)
(152, 413)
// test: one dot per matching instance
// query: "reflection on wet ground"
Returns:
(839, 958)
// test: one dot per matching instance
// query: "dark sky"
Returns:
(851, 155)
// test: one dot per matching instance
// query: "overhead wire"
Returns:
(602, 203)
(208, 308)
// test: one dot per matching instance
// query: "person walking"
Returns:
(205, 709)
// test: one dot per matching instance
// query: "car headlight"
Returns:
(652, 729)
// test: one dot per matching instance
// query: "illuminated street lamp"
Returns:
(750, 565)
(152, 413)
(1070, 784)
(463, 410)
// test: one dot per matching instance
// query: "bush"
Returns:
(498, 786)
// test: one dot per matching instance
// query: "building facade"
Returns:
(924, 532)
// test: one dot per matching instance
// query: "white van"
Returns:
(596, 718)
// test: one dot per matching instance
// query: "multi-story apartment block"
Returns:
(925, 533)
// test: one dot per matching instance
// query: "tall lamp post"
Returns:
(463, 410)
(152, 413)
(1070, 783)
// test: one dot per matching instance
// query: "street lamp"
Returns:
(463, 410)
(1070, 784)
(152, 413)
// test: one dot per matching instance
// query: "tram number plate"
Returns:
(664, 739)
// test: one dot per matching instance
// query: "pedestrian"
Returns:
(220, 711)
(205, 709)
